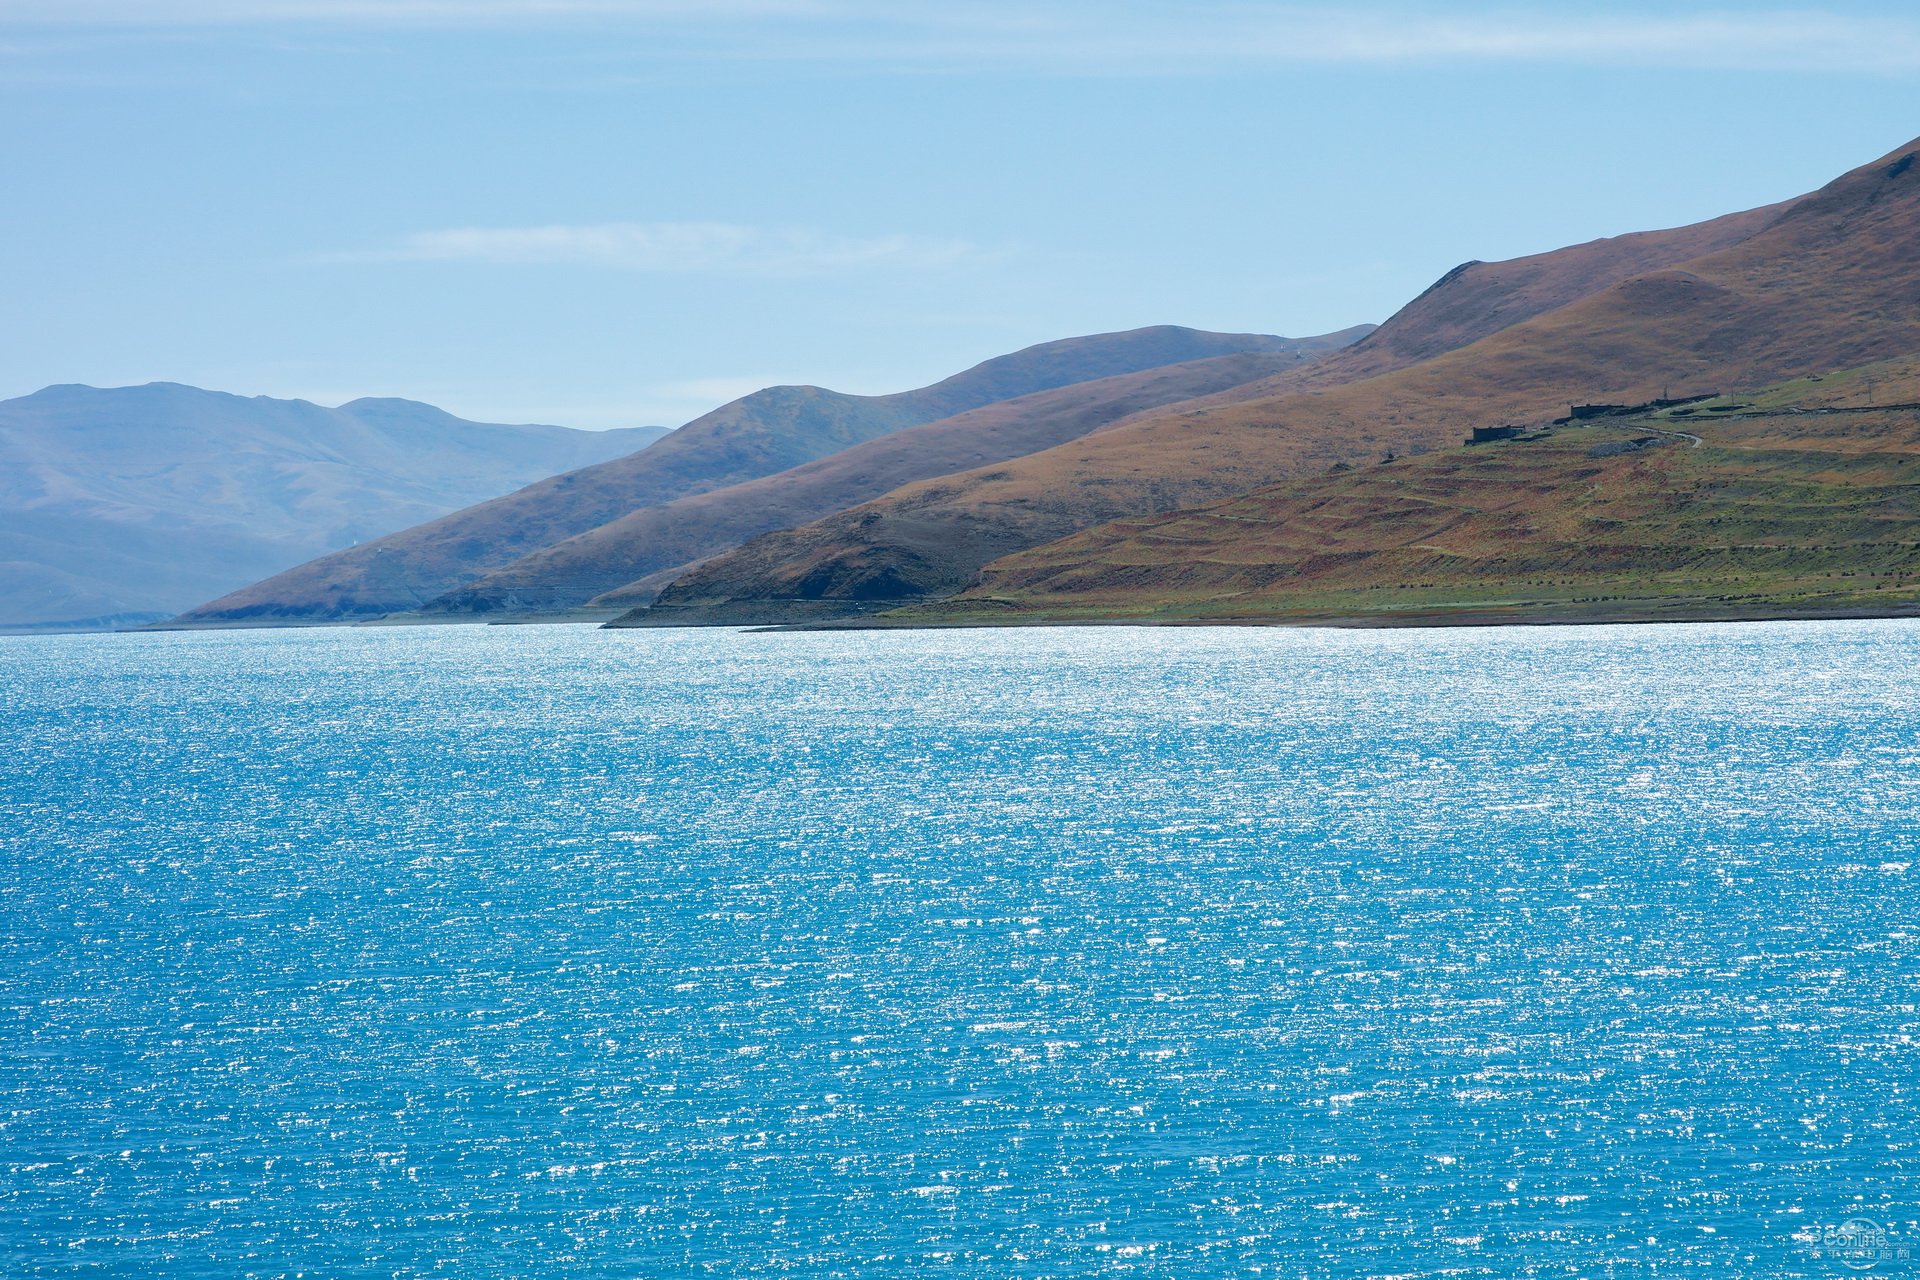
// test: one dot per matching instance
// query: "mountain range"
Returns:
(1825, 285)
(763, 434)
(126, 503)
(930, 539)
(1174, 475)
(1824, 282)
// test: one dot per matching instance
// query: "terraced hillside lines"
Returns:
(766, 432)
(662, 540)
(1826, 281)
(1794, 503)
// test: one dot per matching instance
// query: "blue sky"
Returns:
(614, 212)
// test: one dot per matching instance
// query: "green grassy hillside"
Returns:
(1802, 499)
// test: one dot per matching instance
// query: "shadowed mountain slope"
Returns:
(666, 538)
(760, 434)
(139, 501)
(1827, 281)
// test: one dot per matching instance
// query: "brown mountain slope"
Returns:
(766, 432)
(1801, 500)
(1831, 280)
(1468, 303)
(1478, 299)
(669, 536)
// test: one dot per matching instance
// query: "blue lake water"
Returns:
(555, 952)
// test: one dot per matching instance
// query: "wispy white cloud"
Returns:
(1104, 35)
(1783, 39)
(683, 247)
(437, 13)
(1223, 34)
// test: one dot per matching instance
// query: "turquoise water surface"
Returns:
(556, 952)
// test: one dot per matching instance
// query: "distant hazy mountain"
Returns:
(136, 502)
(767, 432)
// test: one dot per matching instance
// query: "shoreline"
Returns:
(1477, 616)
(1407, 619)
